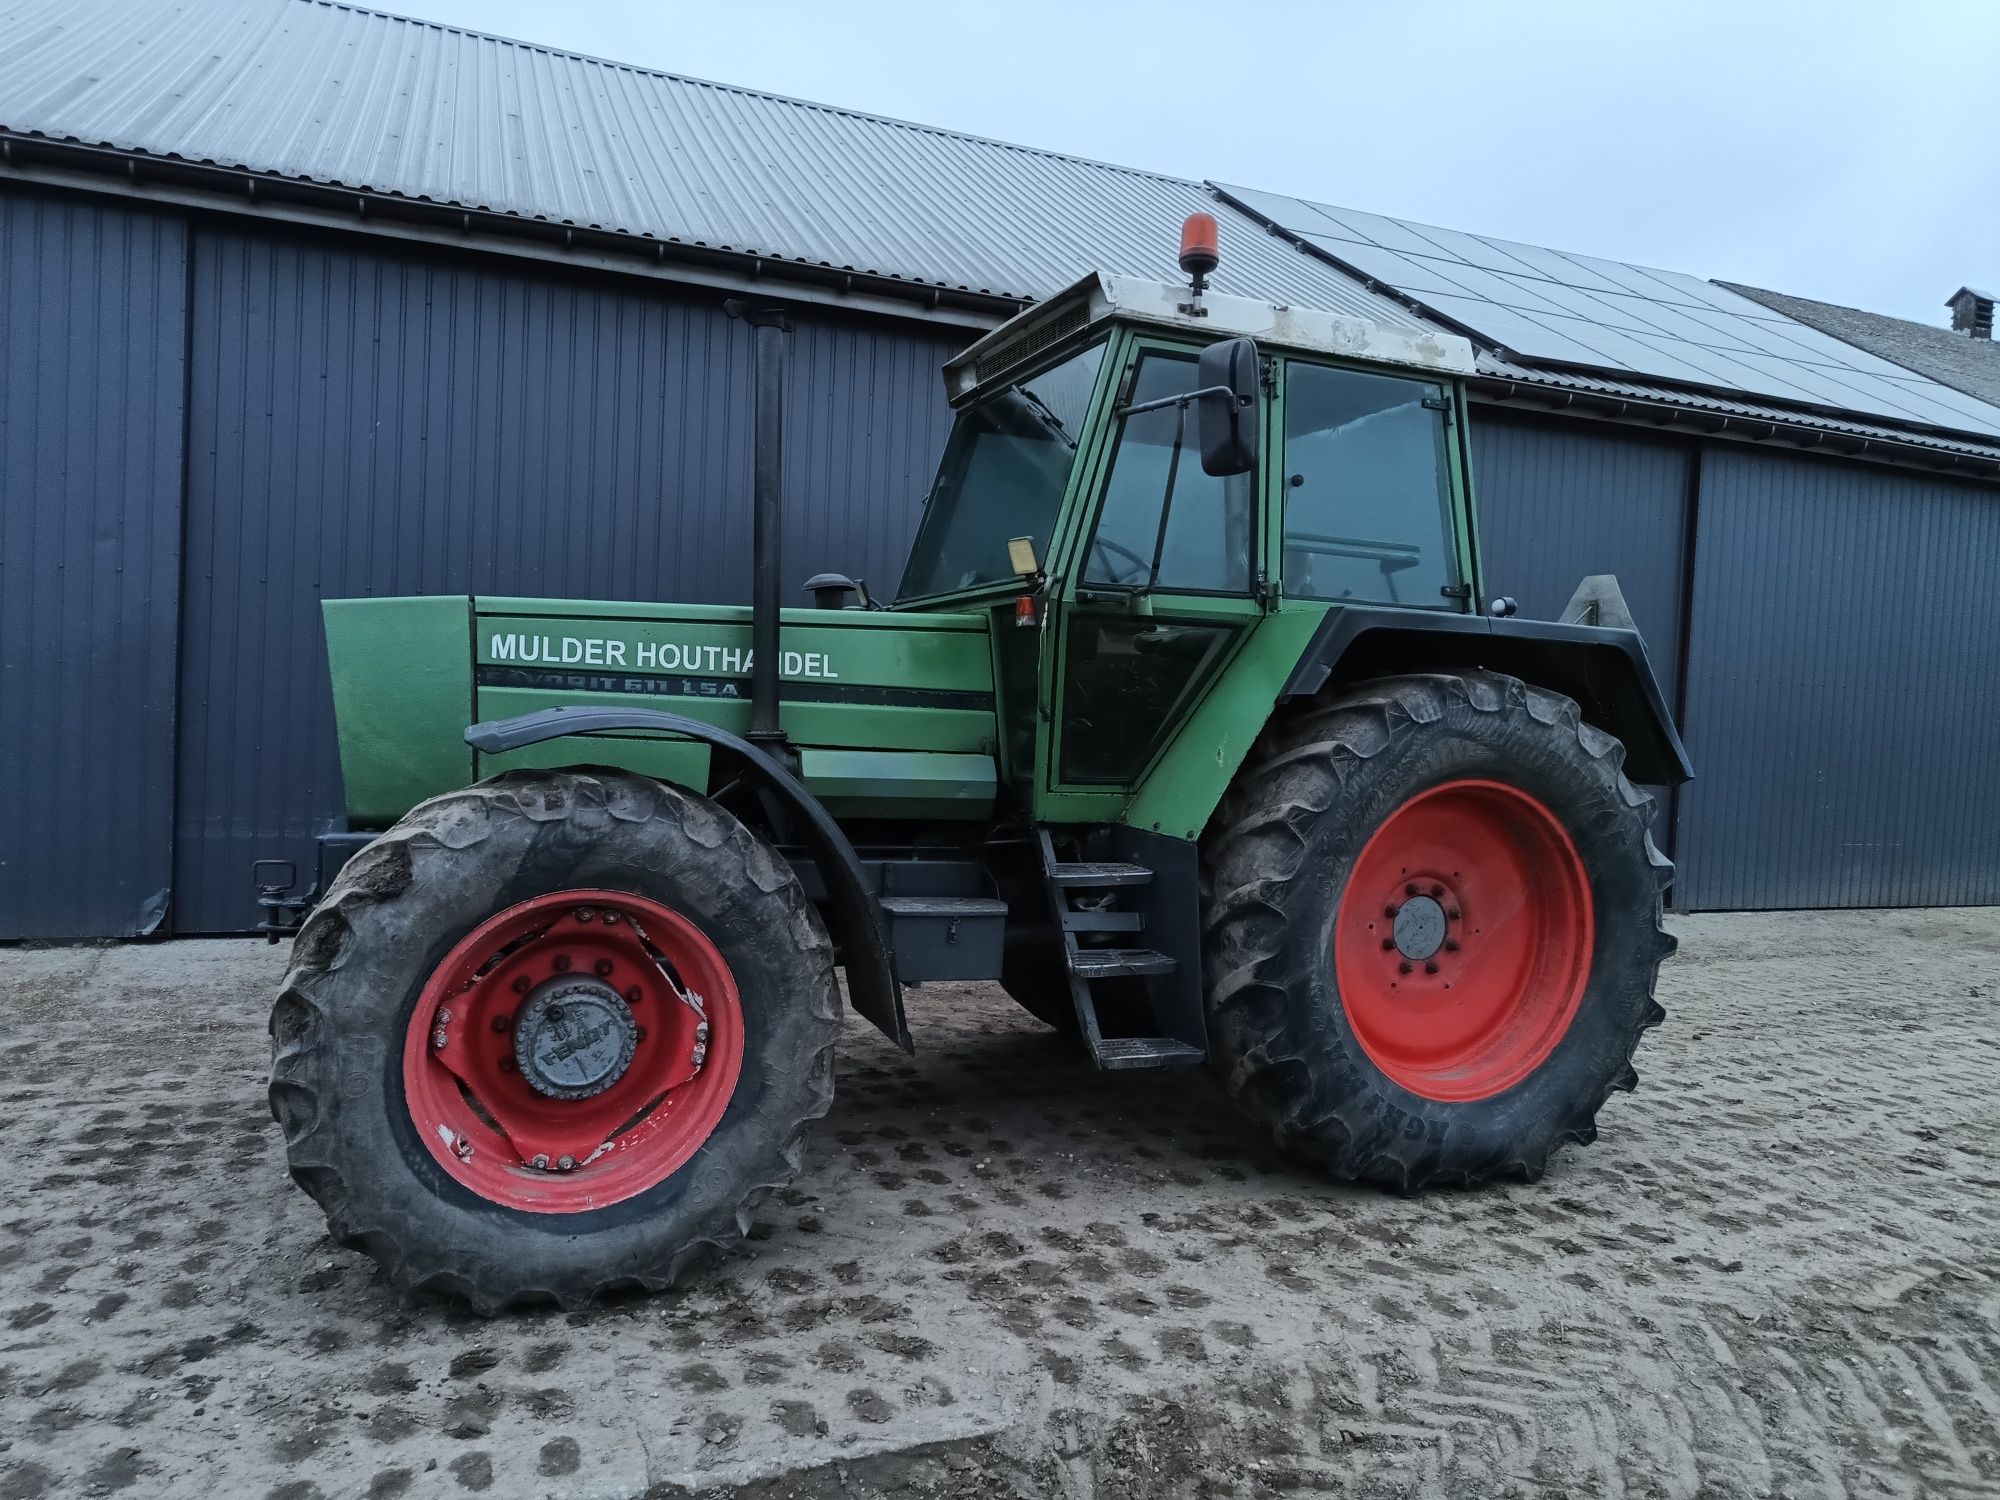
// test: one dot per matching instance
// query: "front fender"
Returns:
(872, 986)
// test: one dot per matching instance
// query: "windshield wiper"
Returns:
(1041, 409)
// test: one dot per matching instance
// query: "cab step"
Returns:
(1117, 1053)
(1112, 963)
(1099, 876)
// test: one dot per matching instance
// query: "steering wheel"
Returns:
(1142, 567)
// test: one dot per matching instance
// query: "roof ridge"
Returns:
(755, 93)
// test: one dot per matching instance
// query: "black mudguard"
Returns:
(1605, 671)
(858, 927)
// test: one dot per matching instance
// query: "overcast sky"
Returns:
(1842, 150)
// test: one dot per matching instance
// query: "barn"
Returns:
(300, 300)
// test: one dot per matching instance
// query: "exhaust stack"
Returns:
(772, 329)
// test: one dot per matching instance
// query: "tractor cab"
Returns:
(1140, 475)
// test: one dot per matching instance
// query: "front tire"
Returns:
(1432, 930)
(551, 1037)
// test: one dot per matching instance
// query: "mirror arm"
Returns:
(1181, 400)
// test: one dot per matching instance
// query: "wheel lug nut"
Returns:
(506, 1064)
(585, 914)
(1388, 945)
(1389, 911)
(444, 1016)
(1430, 966)
(439, 1040)
(610, 918)
(638, 1033)
(602, 967)
(1451, 914)
(1451, 945)
(634, 995)
(501, 1023)
(562, 963)
(540, 1164)
(1403, 967)
(566, 1164)
(521, 985)
(1437, 893)
(1410, 890)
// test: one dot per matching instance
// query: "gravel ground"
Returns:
(1778, 1273)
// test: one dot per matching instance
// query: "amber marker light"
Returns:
(1200, 247)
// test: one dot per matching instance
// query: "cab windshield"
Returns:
(1003, 476)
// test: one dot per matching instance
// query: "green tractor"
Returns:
(1185, 725)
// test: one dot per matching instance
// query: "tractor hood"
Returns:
(892, 713)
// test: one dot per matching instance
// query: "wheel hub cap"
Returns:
(574, 1038)
(1419, 930)
(573, 1050)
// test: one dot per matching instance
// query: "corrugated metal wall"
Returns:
(367, 425)
(91, 364)
(865, 424)
(1558, 501)
(1841, 709)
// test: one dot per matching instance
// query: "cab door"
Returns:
(1163, 584)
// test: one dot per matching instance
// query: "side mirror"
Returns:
(1226, 410)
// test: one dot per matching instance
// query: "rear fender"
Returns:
(1604, 670)
(858, 928)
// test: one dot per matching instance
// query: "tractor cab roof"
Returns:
(1100, 299)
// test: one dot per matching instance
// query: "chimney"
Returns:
(1971, 312)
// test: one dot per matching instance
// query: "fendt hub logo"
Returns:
(651, 656)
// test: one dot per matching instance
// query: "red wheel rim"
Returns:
(1464, 939)
(641, 1083)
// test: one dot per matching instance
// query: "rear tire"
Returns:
(416, 924)
(1507, 827)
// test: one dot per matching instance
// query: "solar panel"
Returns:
(1552, 307)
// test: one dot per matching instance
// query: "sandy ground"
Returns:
(1778, 1273)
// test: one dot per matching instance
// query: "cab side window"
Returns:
(1206, 545)
(1367, 489)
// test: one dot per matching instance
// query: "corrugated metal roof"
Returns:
(328, 93)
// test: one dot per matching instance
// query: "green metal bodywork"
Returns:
(941, 708)
(402, 693)
(893, 712)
